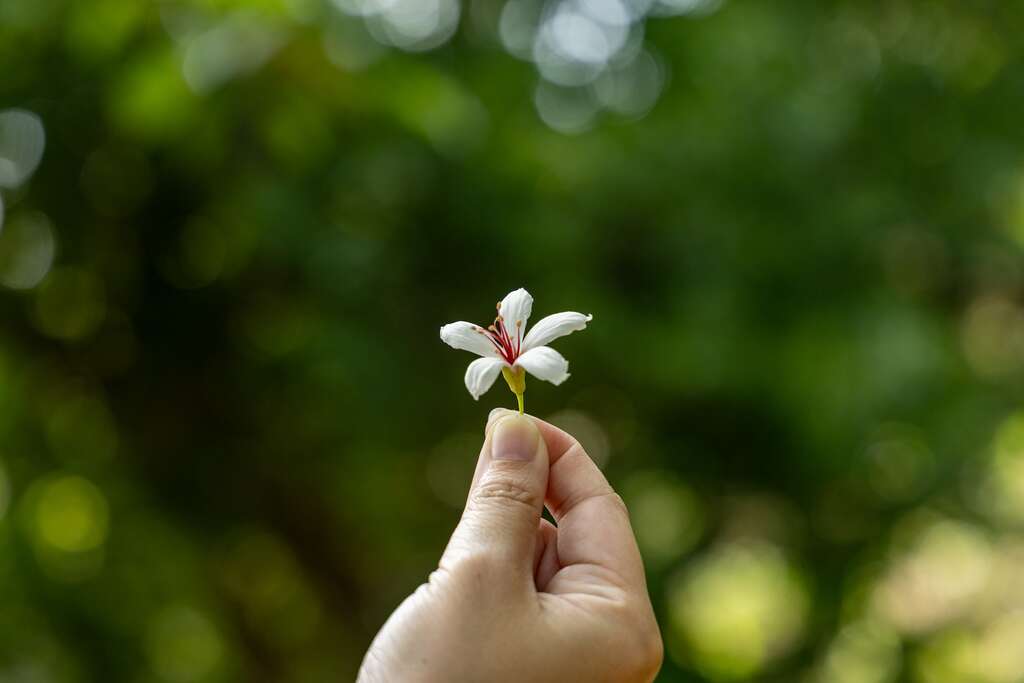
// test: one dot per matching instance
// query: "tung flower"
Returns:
(508, 348)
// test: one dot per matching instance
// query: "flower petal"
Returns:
(480, 375)
(515, 310)
(468, 337)
(543, 362)
(554, 326)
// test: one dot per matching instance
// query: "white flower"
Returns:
(506, 345)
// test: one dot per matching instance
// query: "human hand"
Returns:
(516, 598)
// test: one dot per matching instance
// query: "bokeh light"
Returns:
(940, 574)
(991, 654)
(237, 45)
(414, 25)
(184, 645)
(993, 336)
(70, 304)
(590, 55)
(1002, 492)
(27, 250)
(587, 430)
(864, 651)
(900, 462)
(22, 141)
(67, 518)
(200, 255)
(1000, 658)
(567, 110)
(632, 88)
(667, 516)
(736, 610)
(71, 515)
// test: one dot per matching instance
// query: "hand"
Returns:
(516, 598)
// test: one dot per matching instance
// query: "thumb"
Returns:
(505, 502)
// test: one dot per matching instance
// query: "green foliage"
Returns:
(231, 441)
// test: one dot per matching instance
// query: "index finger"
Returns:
(593, 524)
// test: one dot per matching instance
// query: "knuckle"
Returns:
(648, 650)
(654, 655)
(481, 580)
(642, 651)
(473, 571)
(603, 492)
(575, 450)
(505, 490)
(618, 502)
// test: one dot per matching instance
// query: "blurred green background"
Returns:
(231, 440)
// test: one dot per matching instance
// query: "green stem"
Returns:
(516, 382)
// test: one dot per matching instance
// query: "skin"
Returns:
(516, 598)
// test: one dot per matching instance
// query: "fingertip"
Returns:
(515, 437)
(495, 415)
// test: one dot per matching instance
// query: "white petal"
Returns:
(515, 310)
(468, 337)
(554, 326)
(545, 363)
(480, 375)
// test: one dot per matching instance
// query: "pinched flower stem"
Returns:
(516, 378)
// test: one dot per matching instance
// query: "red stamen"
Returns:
(498, 334)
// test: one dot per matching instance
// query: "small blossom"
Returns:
(507, 347)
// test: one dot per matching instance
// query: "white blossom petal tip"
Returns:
(514, 310)
(468, 337)
(545, 363)
(506, 347)
(554, 326)
(480, 375)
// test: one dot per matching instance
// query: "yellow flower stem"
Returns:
(516, 379)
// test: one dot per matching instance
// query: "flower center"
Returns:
(508, 347)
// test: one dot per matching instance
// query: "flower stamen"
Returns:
(498, 334)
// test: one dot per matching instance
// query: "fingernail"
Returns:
(514, 438)
(494, 415)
